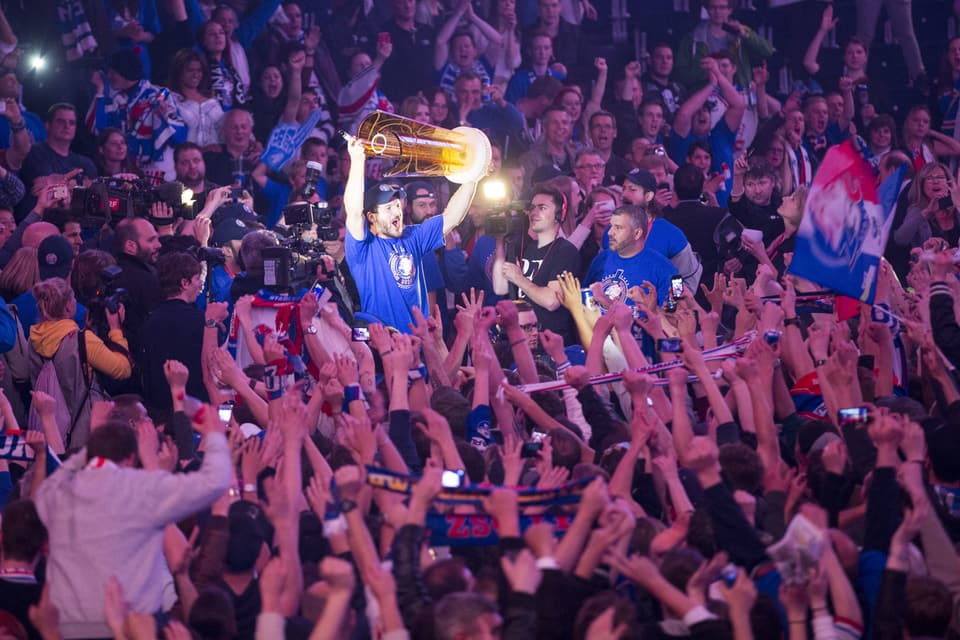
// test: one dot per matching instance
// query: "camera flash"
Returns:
(494, 190)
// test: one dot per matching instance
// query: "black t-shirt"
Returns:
(542, 265)
(16, 597)
(43, 161)
(763, 218)
(409, 68)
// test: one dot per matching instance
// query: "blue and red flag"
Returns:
(846, 224)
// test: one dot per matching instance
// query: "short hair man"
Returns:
(627, 262)
(139, 247)
(118, 530)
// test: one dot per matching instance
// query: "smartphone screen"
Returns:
(451, 479)
(361, 334)
(669, 345)
(530, 449)
(676, 287)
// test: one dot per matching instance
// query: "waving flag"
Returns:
(845, 225)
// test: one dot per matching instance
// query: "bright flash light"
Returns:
(38, 62)
(186, 196)
(494, 190)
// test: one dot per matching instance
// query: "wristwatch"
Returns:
(249, 488)
(347, 505)
(210, 323)
(311, 329)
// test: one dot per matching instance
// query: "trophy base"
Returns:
(479, 162)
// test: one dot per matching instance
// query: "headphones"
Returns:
(562, 213)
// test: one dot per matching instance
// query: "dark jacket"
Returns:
(143, 295)
(173, 331)
(698, 222)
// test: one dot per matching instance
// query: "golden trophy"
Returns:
(419, 149)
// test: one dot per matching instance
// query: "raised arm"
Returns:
(353, 191)
(827, 22)
(684, 118)
(457, 206)
(441, 49)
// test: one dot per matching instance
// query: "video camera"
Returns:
(292, 266)
(304, 214)
(506, 220)
(109, 200)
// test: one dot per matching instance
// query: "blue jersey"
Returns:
(389, 271)
(618, 274)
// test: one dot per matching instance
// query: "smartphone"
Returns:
(226, 412)
(537, 436)
(589, 302)
(670, 305)
(236, 193)
(772, 338)
(361, 334)
(383, 38)
(946, 202)
(676, 287)
(452, 479)
(669, 345)
(853, 416)
(729, 575)
(867, 362)
(531, 449)
(60, 192)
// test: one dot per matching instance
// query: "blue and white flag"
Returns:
(13, 447)
(285, 141)
(845, 225)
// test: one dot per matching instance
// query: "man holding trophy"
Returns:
(383, 254)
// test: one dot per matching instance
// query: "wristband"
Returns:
(334, 526)
(795, 322)
(562, 368)
(517, 342)
(547, 562)
(418, 373)
(386, 353)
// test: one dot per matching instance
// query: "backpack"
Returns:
(66, 377)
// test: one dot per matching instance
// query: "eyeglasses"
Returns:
(594, 166)
(935, 179)
(437, 105)
(529, 327)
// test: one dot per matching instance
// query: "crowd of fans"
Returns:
(194, 450)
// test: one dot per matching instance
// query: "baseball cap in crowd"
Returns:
(544, 173)
(54, 257)
(128, 64)
(382, 193)
(643, 179)
(419, 189)
(229, 229)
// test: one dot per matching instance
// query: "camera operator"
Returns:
(174, 330)
(527, 267)
(138, 248)
(228, 237)
(384, 256)
(251, 256)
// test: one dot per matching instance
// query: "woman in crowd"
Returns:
(416, 108)
(21, 273)
(441, 108)
(226, 85)
(199, 110)
(932, 211)
(112, 154)
(924, 144)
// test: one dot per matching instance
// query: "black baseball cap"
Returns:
(382, 193)
(643, 179)
(419, 189)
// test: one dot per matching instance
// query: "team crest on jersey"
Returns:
(615, 286)
(403, 267)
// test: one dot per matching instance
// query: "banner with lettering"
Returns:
(845, 224)
(13, 447)
(480, 529)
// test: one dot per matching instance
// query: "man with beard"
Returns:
(192, 171)
(386, 257)
(138, 245)
(603, 132)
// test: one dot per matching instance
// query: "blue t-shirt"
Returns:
(619, 274)
(520, 83)
(389, 271)
(431, 272)
(666, 238)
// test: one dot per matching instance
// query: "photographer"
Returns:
(251, 255)
(384, 256)
(228, 237)
(528, 268)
